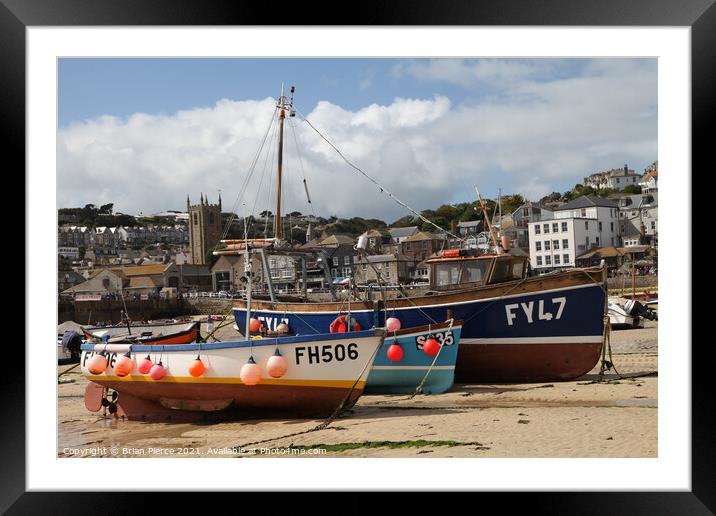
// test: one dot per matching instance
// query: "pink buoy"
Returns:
(197, 367)
(282, 328)
(277, 365)
(250, 372)
(505, 242)
(395, 353)
(157, 371)
(392, 324)
(97, 364)
(145, 365)
(431, 347)
(124, 365)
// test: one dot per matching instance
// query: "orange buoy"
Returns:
(98, 363)
(395, 353)
(277, 365)
(197, 367)
(250, 372)
(431, 346)
(124, 365)
(254, 325)
(145, 365)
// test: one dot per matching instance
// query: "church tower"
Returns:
(204, 228)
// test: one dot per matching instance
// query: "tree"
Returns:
(632, 189)
(106, 209)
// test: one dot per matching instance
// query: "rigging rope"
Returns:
(382, 189)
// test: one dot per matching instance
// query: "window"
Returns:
(525, 212)
(274, 273)
(565, 243)
(386, 274)
(286, 273)
(565, 259)
(611, 227)
(346, 271)
(555, 244)
(334, 273)
(586, 242)
(555, 227)
(473, 271)
(538, 246)
(537, 229)
(556, 259)
(597, 240)
(335, 261)
(546, 228)
(584, 212)
(546, 245)
(548, 260)
(600, 225)
(507, 269)
(272, 263)
(564, 226)
(586, 224)
(196, 219)
(653, 225)
(539, 260)
(346, 260)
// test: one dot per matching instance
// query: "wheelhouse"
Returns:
(456, 269)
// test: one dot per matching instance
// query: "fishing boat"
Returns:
(319, 373)
(164, 333)
(292, 376)
(517, 327)
(404, 365)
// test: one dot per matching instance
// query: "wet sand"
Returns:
(582, 418)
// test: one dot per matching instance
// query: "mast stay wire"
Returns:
(382, 189)
(303, 171)
(261, 180)
(242, 189)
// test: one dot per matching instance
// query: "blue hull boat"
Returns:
(416, 369)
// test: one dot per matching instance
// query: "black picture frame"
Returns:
(700, 15)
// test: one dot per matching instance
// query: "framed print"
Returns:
(159, 105)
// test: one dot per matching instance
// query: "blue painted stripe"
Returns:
(244, 344)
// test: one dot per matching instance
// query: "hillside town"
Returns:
(610, 216)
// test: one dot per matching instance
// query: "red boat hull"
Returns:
(525, 362)
(154, 401)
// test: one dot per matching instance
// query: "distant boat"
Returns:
(629, 313)
(163, 333)
(322, 371)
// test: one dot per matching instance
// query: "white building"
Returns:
(577, 227)
(649, 182)
(73, 253)
(635, 210)
(617, 179)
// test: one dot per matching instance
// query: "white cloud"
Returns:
(537, 137)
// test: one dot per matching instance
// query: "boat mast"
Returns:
(283, 105)
(487, 218)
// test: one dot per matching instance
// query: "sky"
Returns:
(145, 133)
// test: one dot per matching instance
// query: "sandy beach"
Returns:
(616, 417)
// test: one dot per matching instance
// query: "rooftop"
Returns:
(588, 201)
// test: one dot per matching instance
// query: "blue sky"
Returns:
(527, 126)
(89, 88)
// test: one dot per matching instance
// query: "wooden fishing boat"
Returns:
(166, 333)
(321, 372)
(517, 328)
(415, 368)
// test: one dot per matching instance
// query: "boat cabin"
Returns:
(456, 269)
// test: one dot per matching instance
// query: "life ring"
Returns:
(341, 320)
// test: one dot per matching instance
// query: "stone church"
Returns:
(204, 228)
